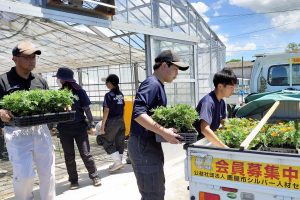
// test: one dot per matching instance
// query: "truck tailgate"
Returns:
(260, 173)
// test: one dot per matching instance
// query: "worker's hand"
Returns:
(54, 131)
(101, 130)
(171, 136)
(5, 115)
(92, 131)
(68, 108)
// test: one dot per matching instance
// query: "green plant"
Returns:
(23, 103)
(235, 131)
(181, 117)
(284, 134)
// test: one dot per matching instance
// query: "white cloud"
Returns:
(215, 27)
(291, 19)
(201, 8)
(232, 49)
(266, 5)
(287, 21)
(223, 38)
(218, 4)
(216, 13)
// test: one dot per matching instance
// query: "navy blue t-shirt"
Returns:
(211, 110)
(115, 103)
(78, 125)
(80, 100)
(150, 95)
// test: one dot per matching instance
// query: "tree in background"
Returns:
(234, 60)
(293, 47)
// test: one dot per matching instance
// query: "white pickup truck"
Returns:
(223, 174)
(273, 72)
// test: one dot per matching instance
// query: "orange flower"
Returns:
(274, 134)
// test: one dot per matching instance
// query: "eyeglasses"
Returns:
(30, 57)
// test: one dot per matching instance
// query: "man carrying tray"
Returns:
(27, 145)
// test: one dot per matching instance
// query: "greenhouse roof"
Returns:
(61, 44)
(77, 41)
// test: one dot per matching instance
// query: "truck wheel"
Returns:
(99, 140)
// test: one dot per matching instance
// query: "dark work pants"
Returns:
(147, 160)
(1, 145)
(82, 141)
(114, 137)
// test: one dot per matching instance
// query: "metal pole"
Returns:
(171, 15)
(188, 12)
(242, 79)
(127, 10)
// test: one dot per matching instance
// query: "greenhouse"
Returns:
(97, 38)
(125, 43)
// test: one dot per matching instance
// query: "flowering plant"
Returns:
(278, 134)
(235, 131)
(282, 134)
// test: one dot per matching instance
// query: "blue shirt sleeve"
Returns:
(144, 99)
(206, 112)
(84, 99)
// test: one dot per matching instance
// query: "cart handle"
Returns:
(245, 144)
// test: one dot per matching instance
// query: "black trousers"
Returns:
(82, 141)
(147, 161)
(114, 137)
(2, 143)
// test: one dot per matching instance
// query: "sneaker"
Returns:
(96, 181)
(116, 166)
(3, 172)
(74, 185)
(110, 166)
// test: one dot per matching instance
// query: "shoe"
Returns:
(128, 161)
(4, 156)
(74, 185)
(116, 166)
(96, 181)
(110, 166)
(3, 172)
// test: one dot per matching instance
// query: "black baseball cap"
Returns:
(65, 74)
(172, 57)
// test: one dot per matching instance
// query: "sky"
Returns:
(249, 27)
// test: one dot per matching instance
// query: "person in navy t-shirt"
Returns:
(212, 108)
(77, 129)
(112, 128)
(145, 153)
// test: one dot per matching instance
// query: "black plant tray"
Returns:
(280, 150)
(188, 138)
(42, 119)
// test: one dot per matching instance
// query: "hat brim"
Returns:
(103, 79)
(68, 80)
(31, 51)
(181, 65)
